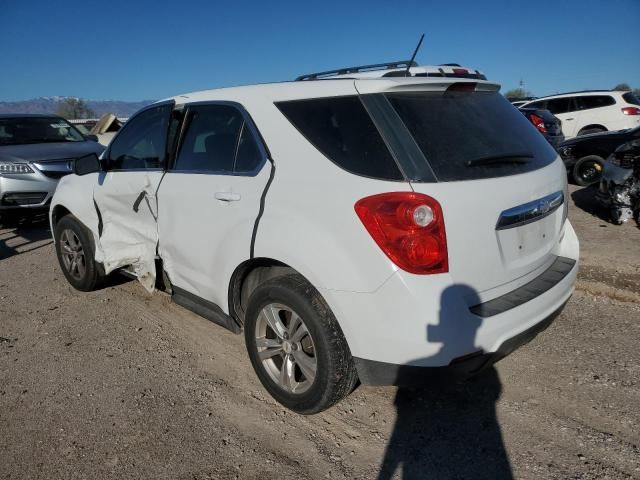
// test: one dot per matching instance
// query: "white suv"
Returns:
(591, 111)
(381, 230)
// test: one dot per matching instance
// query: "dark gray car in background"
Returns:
(35, 152)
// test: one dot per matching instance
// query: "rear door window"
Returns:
(594, 101)
(211, 138)
(341, 129)
(219, 140)
(471, 135)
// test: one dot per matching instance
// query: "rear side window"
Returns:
(341, 129)
(630, 98)
(471, 135)
(559, 105)
(594, 101)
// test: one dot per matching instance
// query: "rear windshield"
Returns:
(471, 135)
(342, 130)
(631, 98)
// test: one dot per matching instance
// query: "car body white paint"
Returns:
(309, 223)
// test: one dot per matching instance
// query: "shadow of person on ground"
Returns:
(446, 429)
(21, 233)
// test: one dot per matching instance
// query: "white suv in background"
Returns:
(591, 111)
(387, 230)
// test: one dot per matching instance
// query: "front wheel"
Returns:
(75, 254)
(296, 346)
(588, 170)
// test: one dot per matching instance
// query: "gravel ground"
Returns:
(121, 384)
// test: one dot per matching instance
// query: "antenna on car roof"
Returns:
(413, 57)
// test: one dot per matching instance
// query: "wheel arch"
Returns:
(593, 125)
(57, 212)
(249, 275)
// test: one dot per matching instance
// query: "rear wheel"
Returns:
(296, 346)
(75, 252)
(588, 170)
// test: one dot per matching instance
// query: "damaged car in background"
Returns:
(620, 184)
(441, 245)
(585, 156)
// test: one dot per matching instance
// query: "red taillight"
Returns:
(409, 228)
(631, 111)
(460, 71)
(538, 123)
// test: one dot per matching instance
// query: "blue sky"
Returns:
(141, 49)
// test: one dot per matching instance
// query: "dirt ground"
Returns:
(119, 384)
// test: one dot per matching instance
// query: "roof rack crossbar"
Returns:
(360, 68)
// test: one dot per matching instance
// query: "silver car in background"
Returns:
(35, 152)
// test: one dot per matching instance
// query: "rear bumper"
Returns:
(429, 321)
(381, 373)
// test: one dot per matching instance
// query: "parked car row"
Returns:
(598, 144)
(593, 111)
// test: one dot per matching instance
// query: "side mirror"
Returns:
(88, 164)
(93, 138)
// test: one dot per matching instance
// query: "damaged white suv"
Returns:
(381, 230)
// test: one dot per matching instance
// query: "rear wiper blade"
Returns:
(521, 157)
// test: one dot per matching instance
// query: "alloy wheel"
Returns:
(73, 255)
(285, 348)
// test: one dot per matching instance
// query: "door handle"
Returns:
(227, 196)
(567, 119)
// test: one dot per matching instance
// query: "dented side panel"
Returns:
(203, 238)
(128, 237)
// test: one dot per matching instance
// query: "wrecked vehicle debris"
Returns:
(620, 185)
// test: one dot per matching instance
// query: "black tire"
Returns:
(587, 170)
(589, 131)
(91, 276)
(335, 374)
(8, 219)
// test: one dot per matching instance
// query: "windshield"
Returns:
(26, 130)
(471, 135)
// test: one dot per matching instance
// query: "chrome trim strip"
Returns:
(530, 212)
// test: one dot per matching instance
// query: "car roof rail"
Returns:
(449, 65)
(580, 91)
(357, 69)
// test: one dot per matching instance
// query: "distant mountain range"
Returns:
(51, 104)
